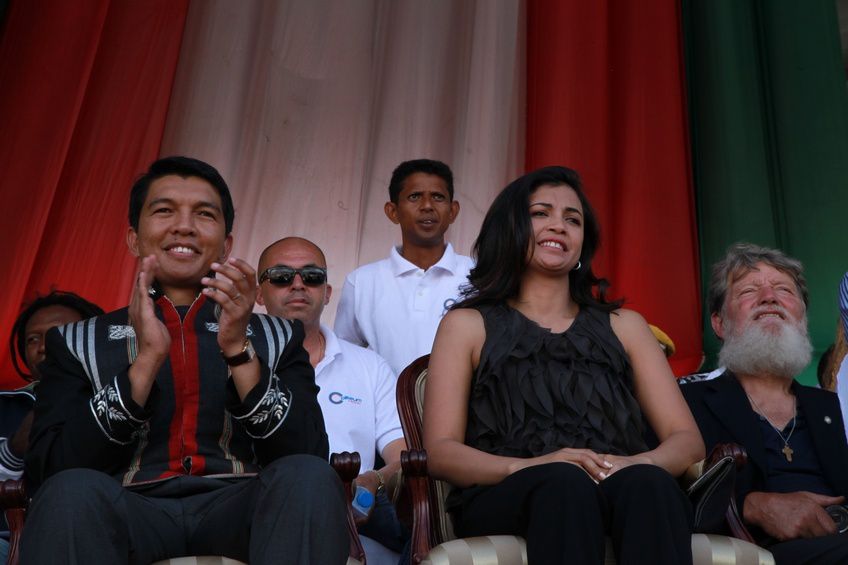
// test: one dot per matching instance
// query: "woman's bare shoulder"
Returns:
(461, 330)
(629, 325)
(462, 319)
(627, 320)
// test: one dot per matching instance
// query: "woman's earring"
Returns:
(577, 267)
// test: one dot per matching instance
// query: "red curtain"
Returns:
(606, 96)
(82, 109)
(85, 94)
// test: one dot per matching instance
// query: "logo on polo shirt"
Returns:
(341, 398)
(447, 304)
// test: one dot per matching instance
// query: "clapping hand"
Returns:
(234, 289)
(152, 337)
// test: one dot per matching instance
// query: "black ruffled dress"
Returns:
(536, 391)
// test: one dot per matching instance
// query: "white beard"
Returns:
(755, 350)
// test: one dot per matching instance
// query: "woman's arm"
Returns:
(456, 353)
(659, 397)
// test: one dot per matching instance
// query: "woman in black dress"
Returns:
(540, 389)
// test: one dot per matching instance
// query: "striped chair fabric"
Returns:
(217, 560)
(707, 549)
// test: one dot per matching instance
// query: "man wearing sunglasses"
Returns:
(394, 306)
(357, 393)
(183, 424)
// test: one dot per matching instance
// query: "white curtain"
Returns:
(306, 107)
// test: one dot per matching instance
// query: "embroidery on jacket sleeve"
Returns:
(269, 413)
(117, 332)
(213, 328)
(114, 420)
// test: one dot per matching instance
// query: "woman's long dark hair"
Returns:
(501, 247)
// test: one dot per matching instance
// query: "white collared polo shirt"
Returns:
(394, 307)
(357, 398)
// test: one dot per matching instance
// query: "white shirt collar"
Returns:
(332, 348)
(401, 266)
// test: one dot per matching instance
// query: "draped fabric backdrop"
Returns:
(306, 106)
(605, 91)
(770, 137)
(85, 91)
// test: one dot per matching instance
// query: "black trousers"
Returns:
(293, 512)
(564, 516)
(824, 550)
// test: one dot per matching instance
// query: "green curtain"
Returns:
(769, 115)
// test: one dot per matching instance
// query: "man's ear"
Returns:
(259, 299)
(132, 241)
(715, 321)
(328, 294)
(391, 212)
(228, 246)
(454, 210)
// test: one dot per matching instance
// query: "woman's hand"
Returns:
(619, 462)
(596, 465)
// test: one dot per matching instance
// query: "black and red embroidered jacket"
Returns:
(193, 423)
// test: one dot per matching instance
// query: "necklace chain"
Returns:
(323, 345)
(787, 451)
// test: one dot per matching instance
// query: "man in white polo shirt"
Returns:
(394, 306)
(357, 393)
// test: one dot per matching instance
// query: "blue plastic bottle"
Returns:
(363, 500)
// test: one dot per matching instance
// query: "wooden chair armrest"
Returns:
(414, 465)
(734, 519)
(410, 417)
(13, 494)
(347, 466)
(718, 453)
(13, 500)
(722, 450)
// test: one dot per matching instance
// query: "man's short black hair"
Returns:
(427, 166)
(183, 167)
(17, 341)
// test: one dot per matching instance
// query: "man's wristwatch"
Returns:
(242, 357)
(381, 484)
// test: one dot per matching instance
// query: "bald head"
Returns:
(296, 301)
(290, 244)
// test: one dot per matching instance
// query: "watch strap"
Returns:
(245, 355)
(381, 484)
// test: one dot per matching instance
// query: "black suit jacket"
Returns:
(724, 415)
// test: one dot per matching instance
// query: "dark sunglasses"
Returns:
(281, 275)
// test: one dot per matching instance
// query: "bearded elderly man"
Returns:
(794, 435)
